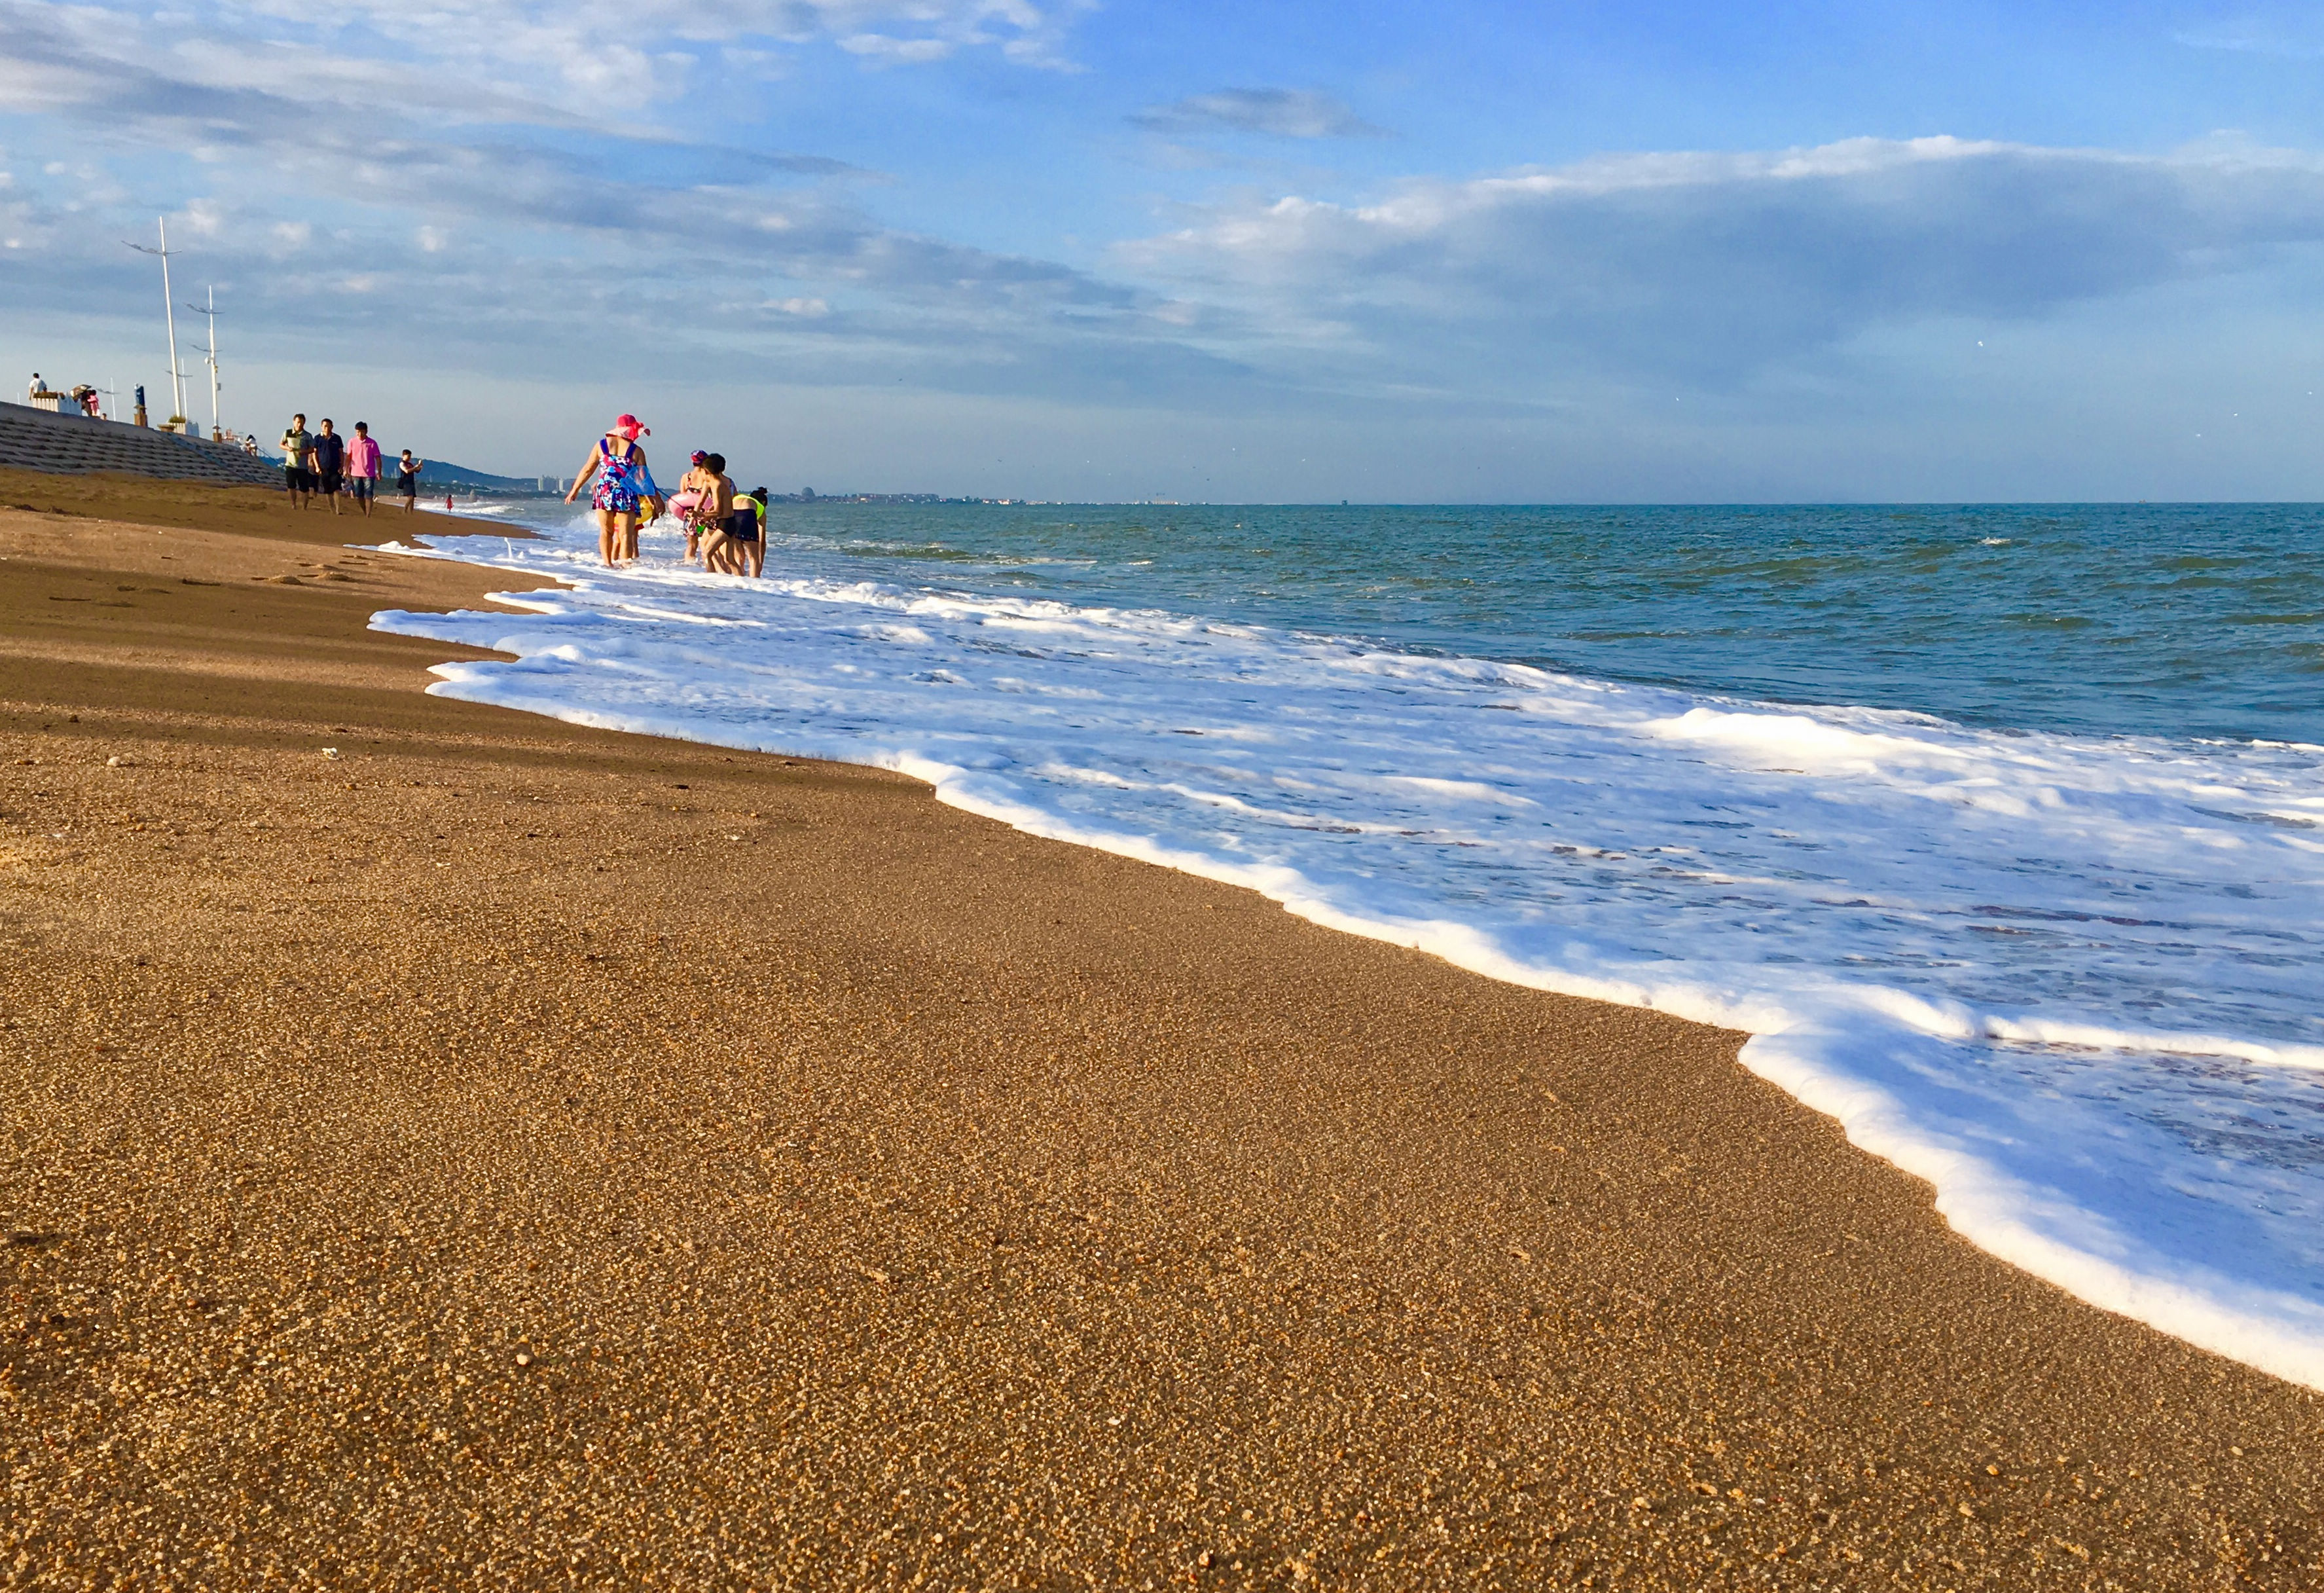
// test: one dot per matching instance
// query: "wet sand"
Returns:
(508, 1155)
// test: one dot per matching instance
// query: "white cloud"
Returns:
(1285, 113)
(601, 64)
(360, 176)
(201, 218)
(1714, 266)
(2301, 40)
(601, 46)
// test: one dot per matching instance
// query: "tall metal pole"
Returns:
(169, 313)
(210, 355)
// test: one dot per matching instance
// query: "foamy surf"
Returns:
(2071, 981)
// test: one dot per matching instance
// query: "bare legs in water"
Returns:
(617, 537)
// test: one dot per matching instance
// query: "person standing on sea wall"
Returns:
(298, 456)
(363, 466)
(620, 485)
(330, 452)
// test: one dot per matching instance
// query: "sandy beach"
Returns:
(449, 1148)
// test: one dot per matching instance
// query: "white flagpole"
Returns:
(210, 354)
(170, 312)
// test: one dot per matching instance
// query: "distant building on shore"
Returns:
(809, 496)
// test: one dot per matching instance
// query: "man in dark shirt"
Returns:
(330, 456)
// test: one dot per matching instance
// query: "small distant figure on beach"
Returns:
(622, 484)
(330, 451)
(407, 480)
(748, 531)
(363, 466)
(250, 446)
(297, 457)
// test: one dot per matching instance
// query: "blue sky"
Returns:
(1464, 251)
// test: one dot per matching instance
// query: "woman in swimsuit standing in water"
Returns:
(622, 484)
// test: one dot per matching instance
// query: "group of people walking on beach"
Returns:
(324, 464)
(725, 529)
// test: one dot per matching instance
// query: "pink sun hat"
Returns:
(627, 426)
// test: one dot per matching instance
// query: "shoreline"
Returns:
(1024, 1213)
(1858, 1052)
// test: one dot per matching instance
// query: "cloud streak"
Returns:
(1280, 113)
(2258, 35)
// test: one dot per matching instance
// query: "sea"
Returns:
(2000, 830)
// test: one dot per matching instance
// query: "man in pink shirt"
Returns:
(363, 466)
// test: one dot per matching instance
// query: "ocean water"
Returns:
(1999, 829)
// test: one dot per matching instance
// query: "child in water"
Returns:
(697, 484)
(717, 514)
(747, 531)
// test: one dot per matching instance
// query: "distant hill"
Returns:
(436, 473)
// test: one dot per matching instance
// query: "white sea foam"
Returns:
(2072, 982)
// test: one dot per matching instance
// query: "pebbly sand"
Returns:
(507, 1154)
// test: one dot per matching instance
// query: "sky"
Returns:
(1465, 251)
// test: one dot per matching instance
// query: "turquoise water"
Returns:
(2165, 620)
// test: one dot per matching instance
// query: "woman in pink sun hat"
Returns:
(623, 486)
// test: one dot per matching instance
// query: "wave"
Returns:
(2070, 981)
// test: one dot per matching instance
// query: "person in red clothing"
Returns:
(363, 466)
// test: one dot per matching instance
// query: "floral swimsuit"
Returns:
(618, 477)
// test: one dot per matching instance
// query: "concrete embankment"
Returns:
(36, 440)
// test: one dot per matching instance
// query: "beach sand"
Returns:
(508, 1155)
